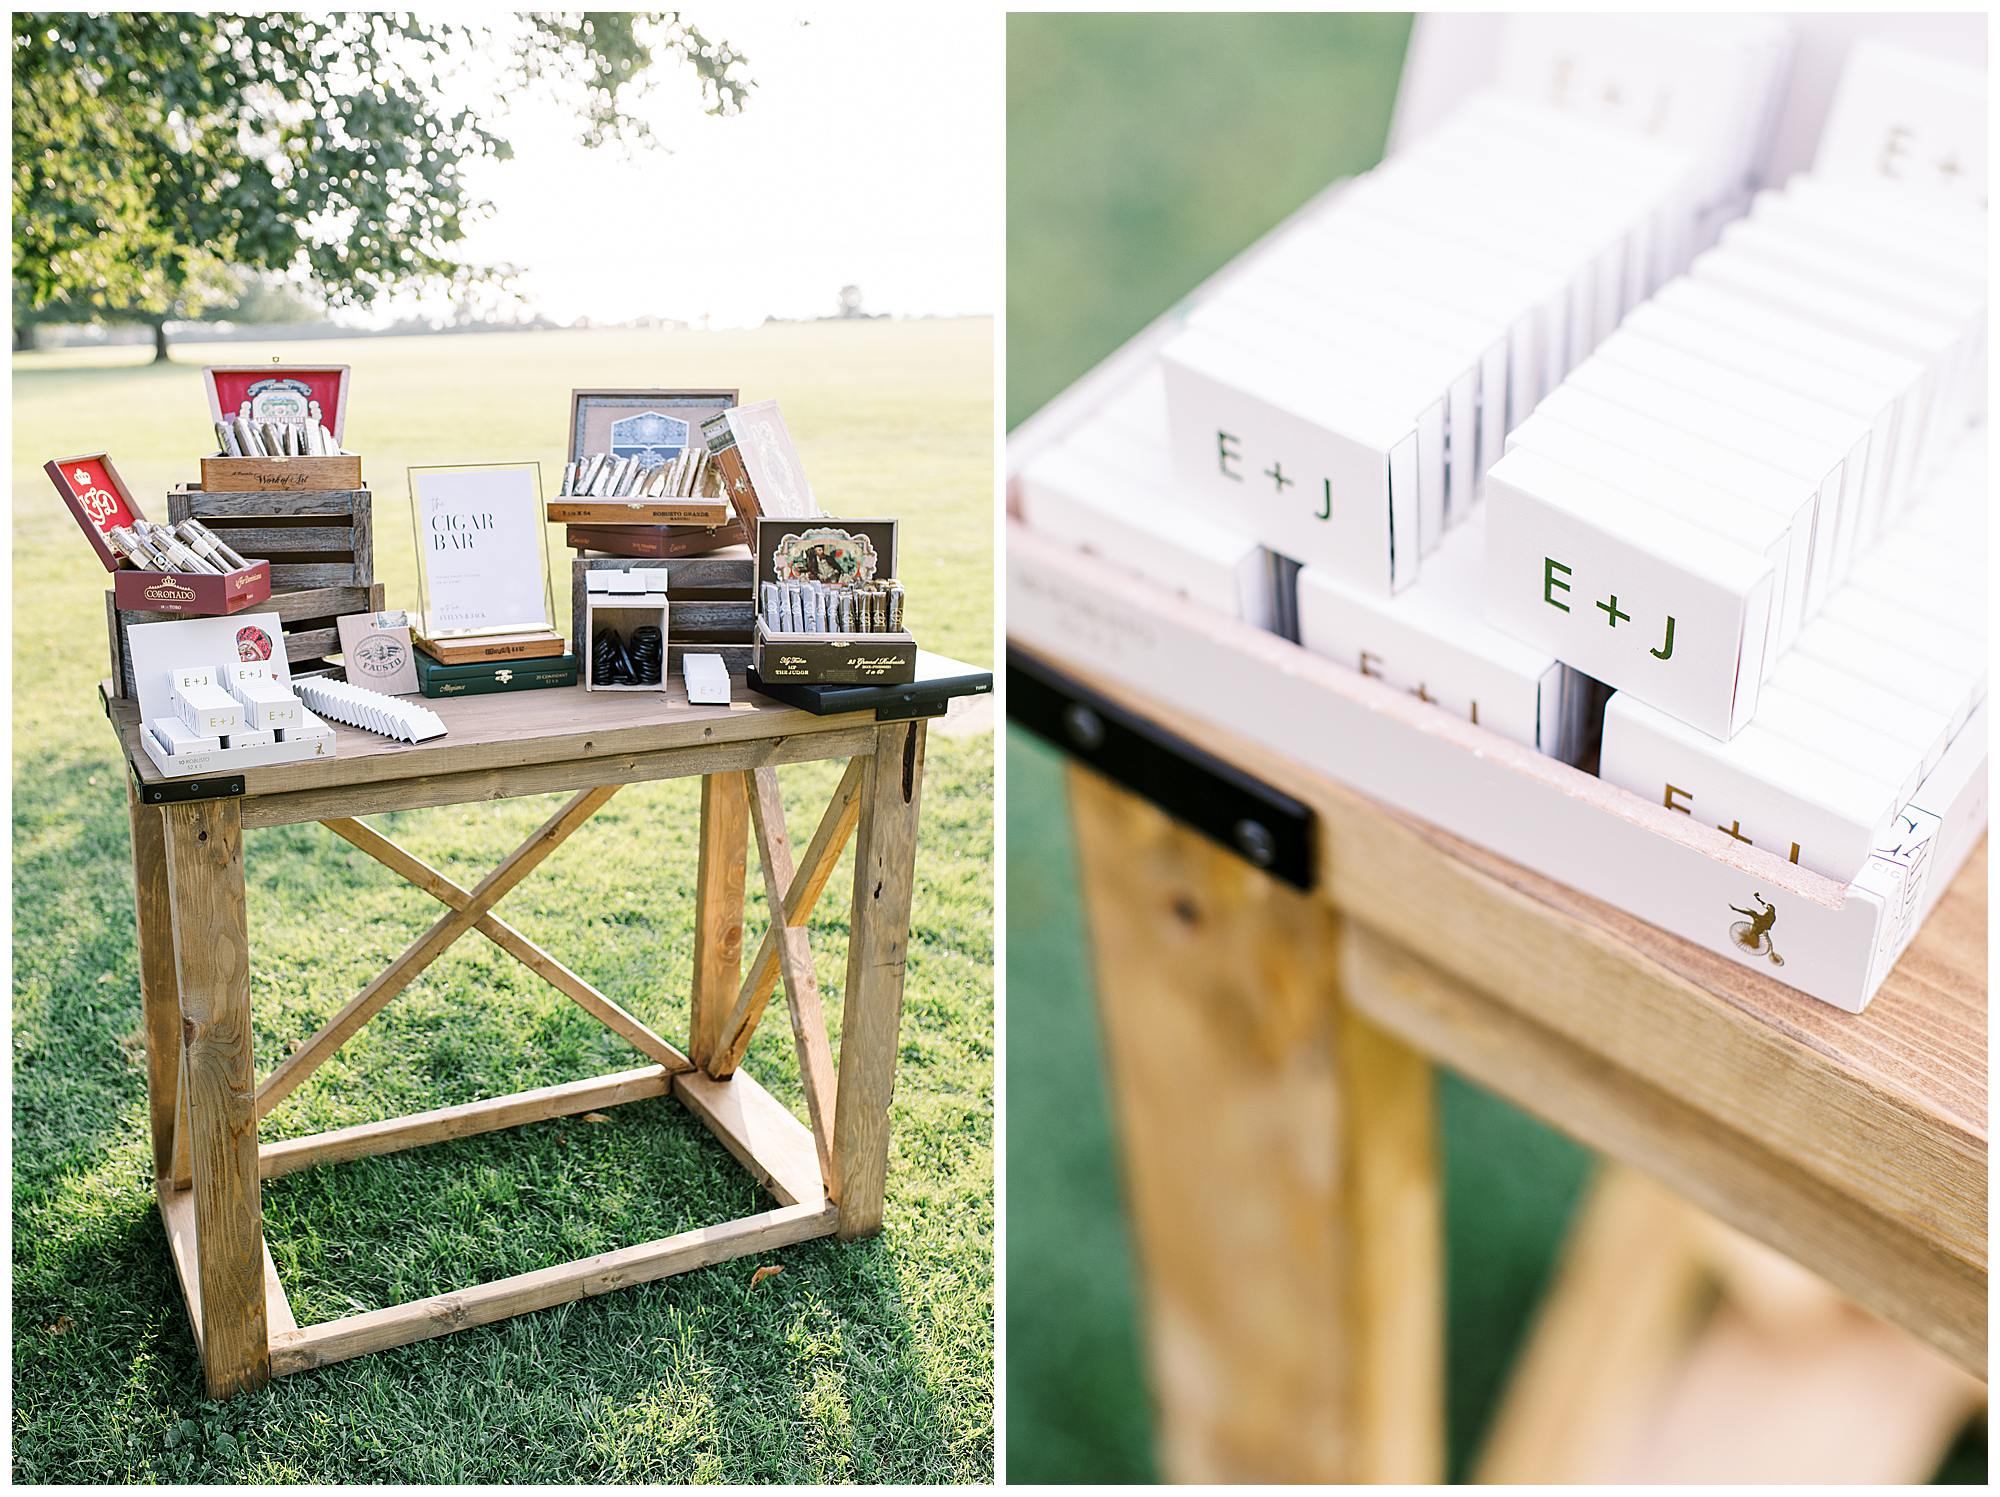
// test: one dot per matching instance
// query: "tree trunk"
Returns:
(24, 336)
(160, 342)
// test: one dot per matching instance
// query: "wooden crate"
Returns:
(709, 607)
(313, 538)
(308, 617)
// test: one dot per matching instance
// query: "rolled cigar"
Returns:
(330, 447)
(168, 545)
(248, 443)
(274, 440)
(202, 547)
(229, 556)
(768, 596)
(700, 472)
(635, 478)
(130, 547)
(225, 441)
(895, 618)
(313, 448)
(656, 482)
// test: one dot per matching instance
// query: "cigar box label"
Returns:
(169, 593)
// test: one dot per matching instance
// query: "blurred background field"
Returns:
(1143, 153)
(872, 1362)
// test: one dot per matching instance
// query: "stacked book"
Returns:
(475, 664)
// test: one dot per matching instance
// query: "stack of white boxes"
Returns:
(238, 705)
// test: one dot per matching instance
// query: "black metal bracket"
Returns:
(1262, 825)
(167, 792)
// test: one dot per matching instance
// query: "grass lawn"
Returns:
(870, 1362)
(1143, 153)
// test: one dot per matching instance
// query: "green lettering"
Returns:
(1227, 452)
(1550, 566)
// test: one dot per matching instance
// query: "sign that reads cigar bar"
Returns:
(100, 502)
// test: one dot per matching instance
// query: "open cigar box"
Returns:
(280, 392)
(100, 502)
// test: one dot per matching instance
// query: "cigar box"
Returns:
(757, 463)
(705, 513)
(655, 541)
(279, 392)
(99, 500)
(840, 553)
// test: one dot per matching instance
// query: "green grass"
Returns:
(870, 1362)
(1144, 151)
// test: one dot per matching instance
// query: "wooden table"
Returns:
(1271, 1055)
(206, 1103)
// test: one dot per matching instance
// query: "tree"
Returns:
(157, 154)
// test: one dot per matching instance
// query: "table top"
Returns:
(508, 729)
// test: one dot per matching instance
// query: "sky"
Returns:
(869, 153)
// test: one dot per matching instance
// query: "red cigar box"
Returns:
(99, 500)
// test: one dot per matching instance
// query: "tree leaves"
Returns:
(158, 155)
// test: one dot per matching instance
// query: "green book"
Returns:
(439, 680)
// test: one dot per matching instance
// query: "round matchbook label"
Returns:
(252, 643)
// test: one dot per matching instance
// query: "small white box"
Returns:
(1456, 270)
(1901, 672)
(1869, 401)
(1912, 335)
(250, 738)
(1817, 466)
(1853, 699)
(1429, 640)
(1114, 495)
(1297, 464)
(1637, 599)
(707, 679)
(1782, 539)
(268, 705)
(1876, 374)
(1758, 787)
(312, 730)
(207, 709)
(176, 737)
(1366, 348)
(1821, 434)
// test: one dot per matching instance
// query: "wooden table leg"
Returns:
(885, 856)
(1277, 1152)
(204, 858)
(718, 913)
(159, 984)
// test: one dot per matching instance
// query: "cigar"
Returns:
(895, 615)
(247, 443)
(170, 545)
(225, 441)
(225, 554)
